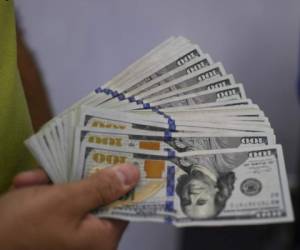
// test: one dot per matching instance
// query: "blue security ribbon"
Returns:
(172, 124)
(98, 90)
(170, 191)
(170, 181)
(131, 99)
(121, 97)
(146, 106)
(168, 135)
(171, 153)
(107, 91)
(115, 93)
(169, 206)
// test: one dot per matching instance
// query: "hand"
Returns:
(56, 217)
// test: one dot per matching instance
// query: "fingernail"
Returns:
(127, 174)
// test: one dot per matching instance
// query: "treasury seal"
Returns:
(251, 187)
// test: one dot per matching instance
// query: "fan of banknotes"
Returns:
(206, 153)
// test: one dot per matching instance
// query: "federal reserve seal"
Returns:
(251, 187)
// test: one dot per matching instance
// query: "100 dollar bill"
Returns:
(164, 141)
(204, 188)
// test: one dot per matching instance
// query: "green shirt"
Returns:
(15, 123)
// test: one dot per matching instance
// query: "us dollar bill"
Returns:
(209, 73)
(232, 104)
(241, 194)
(148, 198)
(219, 95)
(185, 118)
(179, 57)
(203, 188)
(194, 88)
(154, 57)
(164, 141)
(192, 66)
(223, 94)
(123, 121)
(135, 139)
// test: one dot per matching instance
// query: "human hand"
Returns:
(30, 178)
(57, 217)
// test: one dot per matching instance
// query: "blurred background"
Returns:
(79, 45)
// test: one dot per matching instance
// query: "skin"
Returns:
(35, 215)
(198, 198)
(35, 92)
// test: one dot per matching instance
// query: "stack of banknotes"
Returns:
(206, 153)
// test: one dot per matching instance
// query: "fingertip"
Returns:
(30, 178)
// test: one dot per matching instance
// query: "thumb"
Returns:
(103, 187)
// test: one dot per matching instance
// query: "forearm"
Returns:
(35, 92)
